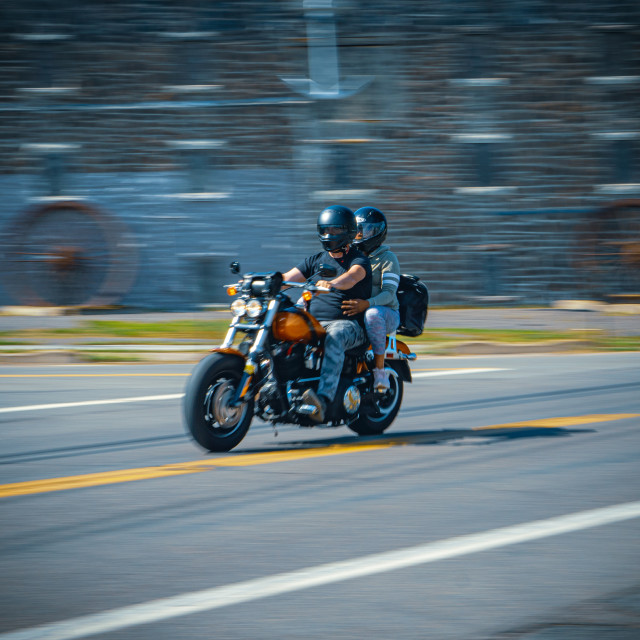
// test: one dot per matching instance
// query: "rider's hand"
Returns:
(324, 283)
(354, 307)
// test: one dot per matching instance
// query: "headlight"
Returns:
(238, 307)
(254, 308)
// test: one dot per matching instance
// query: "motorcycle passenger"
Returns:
(381, 310)
(336, 228)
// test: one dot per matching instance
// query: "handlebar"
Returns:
(309, 286)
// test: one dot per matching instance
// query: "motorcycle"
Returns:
(277, 358)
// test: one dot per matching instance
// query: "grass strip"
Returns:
(90, 331)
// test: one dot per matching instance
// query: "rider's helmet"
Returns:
(372, 229)
(336, 227)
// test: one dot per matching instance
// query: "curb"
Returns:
(631, 306)
(595, 305)
(41, 312)
(83, 310)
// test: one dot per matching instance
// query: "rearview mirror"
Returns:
(328, 271)
(235, 267)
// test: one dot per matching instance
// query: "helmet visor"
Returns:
(331, 230)
(368, 230)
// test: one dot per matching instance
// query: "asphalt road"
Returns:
(117, 507)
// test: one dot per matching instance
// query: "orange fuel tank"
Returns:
(296, 325)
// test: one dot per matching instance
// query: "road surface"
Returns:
(502, 503)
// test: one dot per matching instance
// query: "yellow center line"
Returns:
(557, 423)
(195, 466)
(90, 375)
(267, 457)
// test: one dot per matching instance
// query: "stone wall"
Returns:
(494, 135)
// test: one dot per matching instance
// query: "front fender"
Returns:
(230, 351)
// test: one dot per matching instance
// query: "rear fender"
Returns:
(401, 367)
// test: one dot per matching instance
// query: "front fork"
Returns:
(252, 363)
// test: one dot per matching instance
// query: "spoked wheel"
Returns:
(372, 421)
(212, 420)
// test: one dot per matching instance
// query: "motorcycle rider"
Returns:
(336, 227)
(381, 310)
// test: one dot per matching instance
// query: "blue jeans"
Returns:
(341, 336)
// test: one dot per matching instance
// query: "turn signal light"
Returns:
(232, 290)
(307, 295)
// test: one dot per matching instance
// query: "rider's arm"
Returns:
(346, 280)
(293, 275)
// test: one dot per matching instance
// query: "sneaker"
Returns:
(380, 380)
(310, 397)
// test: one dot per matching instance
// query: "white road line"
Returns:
(176, 396)
(454, 372)
(224, 596)
(89, 403)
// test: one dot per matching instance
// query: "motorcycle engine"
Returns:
(269, 404)
(288, 360)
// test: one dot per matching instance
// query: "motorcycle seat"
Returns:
(358, 351)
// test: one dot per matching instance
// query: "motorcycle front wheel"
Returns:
(373, 421)
(213, 423)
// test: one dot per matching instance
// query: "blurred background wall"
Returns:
(144, 145)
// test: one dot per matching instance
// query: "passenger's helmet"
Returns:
(336, 227)
(372, 229)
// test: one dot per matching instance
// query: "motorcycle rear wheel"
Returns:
(213, 423)
(372, 423)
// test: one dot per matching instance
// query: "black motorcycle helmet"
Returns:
(372, 229)
(336, 227)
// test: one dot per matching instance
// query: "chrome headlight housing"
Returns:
(238, 307)
(254, 308)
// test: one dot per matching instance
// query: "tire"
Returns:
(213, 424)
(368, 423)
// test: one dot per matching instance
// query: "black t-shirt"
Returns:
(328, 306)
